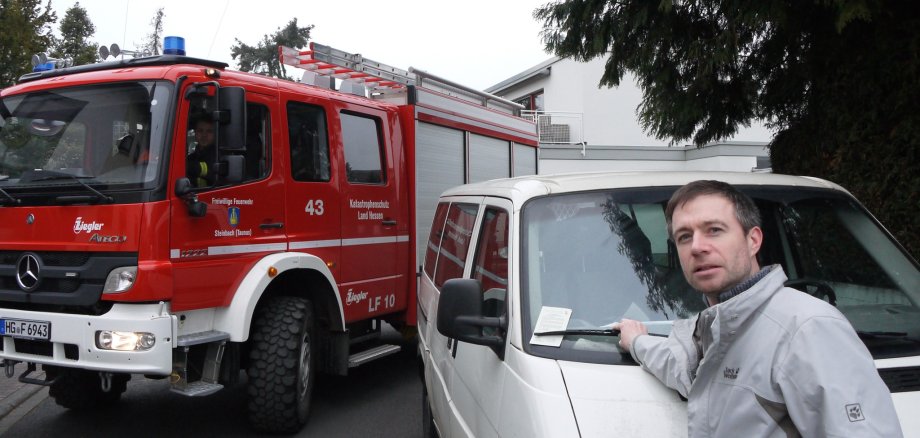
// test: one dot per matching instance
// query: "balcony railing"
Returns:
(557, 127)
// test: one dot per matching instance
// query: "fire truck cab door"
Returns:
(244, 220)
(369, 215)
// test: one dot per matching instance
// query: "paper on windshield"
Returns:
(551, 319)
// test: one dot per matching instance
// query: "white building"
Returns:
(585, 128)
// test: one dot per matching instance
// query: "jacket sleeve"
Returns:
(830, 384)
(672, 360)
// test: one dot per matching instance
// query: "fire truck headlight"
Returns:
(124, 341)
(120, 280)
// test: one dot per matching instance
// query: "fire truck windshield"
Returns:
(110, 136)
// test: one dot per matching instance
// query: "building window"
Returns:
(532, 102)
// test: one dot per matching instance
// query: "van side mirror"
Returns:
(460, 315)
(231, 126)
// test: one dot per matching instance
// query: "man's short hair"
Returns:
(746, 211)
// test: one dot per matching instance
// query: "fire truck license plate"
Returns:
(21, 328)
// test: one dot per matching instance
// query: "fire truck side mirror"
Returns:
(195, 207)
(231, 168)
(231, 134)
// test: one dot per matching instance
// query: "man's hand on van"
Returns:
(629, 330)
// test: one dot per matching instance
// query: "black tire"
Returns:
(81, 390)
(428, 429)
(281, 365)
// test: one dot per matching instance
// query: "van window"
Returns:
(308, 141)
(458, 231)
(490, 265)
(361, 138)
(434, 239)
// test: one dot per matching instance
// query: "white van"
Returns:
(582, 251)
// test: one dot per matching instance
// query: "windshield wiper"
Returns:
(886, 335)
(9, 198)
(51, 175)
(589, 332)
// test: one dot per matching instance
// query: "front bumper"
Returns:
(73, 344)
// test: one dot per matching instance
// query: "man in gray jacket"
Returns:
(762, 359)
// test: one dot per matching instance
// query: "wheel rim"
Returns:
(304, 365)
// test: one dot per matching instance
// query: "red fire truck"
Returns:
(165, 216)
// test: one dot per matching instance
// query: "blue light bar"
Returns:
(44, 67)
(174, 45)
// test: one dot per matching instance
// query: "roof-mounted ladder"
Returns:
(382, 80)
(327, 61)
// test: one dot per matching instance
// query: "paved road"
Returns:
(380, 399)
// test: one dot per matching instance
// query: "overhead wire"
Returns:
(219, 23)
(124, 34)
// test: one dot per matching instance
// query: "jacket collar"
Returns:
(744, 285)
(735, 311)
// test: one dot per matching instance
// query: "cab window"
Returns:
(309, 143)
(258, 134)
(362, 140)
(203, 159)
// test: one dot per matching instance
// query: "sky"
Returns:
(477, 43)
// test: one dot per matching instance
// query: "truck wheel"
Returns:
(81, 390)
(281, 365)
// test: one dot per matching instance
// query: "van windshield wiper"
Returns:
(864, 335)
(589, 332)
(51, 175)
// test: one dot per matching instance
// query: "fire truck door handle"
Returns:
(388, 223)
(271, 225)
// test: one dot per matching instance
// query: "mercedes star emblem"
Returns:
(28, 272)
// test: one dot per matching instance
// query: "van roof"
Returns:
(522, 188)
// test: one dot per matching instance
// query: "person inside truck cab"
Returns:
(762, 359)
(199, 165)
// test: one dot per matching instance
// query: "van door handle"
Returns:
(388, 223)
(271, 225)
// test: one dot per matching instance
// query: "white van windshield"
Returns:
(606, 256)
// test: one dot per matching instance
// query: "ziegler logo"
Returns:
(98, 238)
(355, 298)
(86, 227)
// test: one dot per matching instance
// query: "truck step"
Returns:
(197, 389)
(375, 353)
(202, 338)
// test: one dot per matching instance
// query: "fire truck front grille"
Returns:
(65, 258)
(49, 258)
(64, 278)
(49, 285)
(901, 379)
